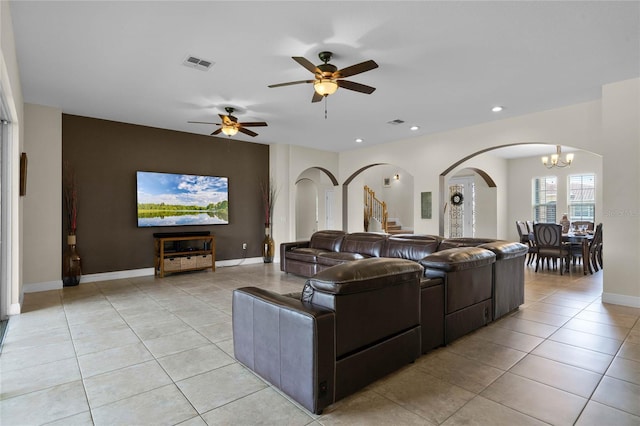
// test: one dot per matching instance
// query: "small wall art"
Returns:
(23, 174)
(425, 205)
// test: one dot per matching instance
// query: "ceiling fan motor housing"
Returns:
(327, 70)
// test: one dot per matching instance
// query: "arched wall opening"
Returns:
(472, 204)
(314, 201)
(391, 184)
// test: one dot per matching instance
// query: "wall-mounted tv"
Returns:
(168, 199)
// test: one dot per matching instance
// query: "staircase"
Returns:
(394, 228)
(375, 209)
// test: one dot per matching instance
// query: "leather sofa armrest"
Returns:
(506, 249)
(287, 342)
(285, 247)
(456, 259)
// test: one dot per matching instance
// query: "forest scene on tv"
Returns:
(168, 199)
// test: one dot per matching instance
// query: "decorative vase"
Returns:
(267, 245)
(71, 271)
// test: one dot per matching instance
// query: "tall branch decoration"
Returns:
(71, 198)
(269, 195)
(71, 268)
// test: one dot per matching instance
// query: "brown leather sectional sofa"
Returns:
(469, 271)
(373, 303)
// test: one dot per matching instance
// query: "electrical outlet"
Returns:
(244, 246)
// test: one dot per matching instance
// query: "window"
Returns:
(582, 197)
(545, 198)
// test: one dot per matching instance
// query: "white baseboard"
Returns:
(43, 286)
(131, 273)
(116, 275)
(621, 299)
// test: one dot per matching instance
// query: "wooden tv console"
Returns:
(184, 253)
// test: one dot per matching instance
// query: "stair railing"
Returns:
(374, 209)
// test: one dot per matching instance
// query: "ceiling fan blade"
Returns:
(306, 63)
(291, 83)
(200, 122)
(216, 132)
(253, 124)
(356, 69)
(317, 97)
(247, 131)
(356, 86)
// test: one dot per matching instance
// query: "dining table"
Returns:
(580, 238)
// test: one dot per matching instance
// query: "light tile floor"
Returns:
(159, 351)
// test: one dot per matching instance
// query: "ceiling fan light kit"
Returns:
(325, 86)
(229, 130)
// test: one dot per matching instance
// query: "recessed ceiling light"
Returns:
(414, 128)
(359, 140)
(497, 108)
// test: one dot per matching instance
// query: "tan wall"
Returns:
(42, 204)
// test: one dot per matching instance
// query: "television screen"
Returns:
(168, 199)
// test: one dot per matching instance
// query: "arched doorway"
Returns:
(472, 204)
(306, 208)
(314, 201)
(391, 184)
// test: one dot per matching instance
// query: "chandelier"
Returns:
(556, 159)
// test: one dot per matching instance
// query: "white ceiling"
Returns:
(442, 65)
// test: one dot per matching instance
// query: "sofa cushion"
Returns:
(364, 275)
(328, 240)
(366, 243)
(506, 249)
(337, 258)
(412, 248)
(457, 259)
(448, 243)
(305, 254)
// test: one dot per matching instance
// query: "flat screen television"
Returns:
(169, 199)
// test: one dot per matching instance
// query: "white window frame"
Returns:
(545, 199)
(586, 202)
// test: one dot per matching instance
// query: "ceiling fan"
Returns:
(328, 77)
(230, 125)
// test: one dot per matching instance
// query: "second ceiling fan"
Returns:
(328, 77)
(230, 125)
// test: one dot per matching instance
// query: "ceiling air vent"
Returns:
(197, 63)
(395, 122)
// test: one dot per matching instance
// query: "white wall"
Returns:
(43, 203)
(621, 215)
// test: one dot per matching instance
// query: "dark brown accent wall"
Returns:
(107, 154)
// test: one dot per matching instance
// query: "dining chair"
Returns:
(526, 237)
(593, 260)
(548, 238)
